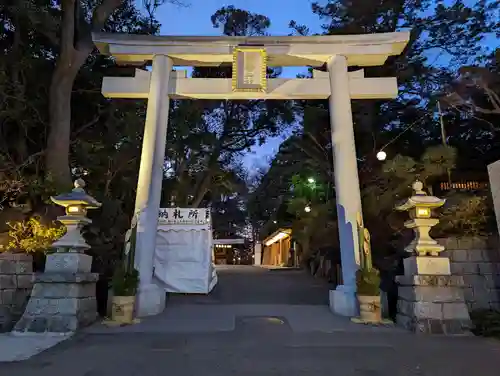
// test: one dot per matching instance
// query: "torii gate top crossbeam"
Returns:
(360, 50)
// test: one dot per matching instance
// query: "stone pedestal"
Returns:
(16, 282)
(427, 265)
(150, 300)
(433, 302)
(343, 301)
(63, 297)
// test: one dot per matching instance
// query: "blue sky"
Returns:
(195, 20)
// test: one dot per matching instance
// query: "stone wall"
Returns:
(432, 304)
(16, 282)
(477, 260)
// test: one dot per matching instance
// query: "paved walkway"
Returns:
(192, 318)
(244, 329)
(240, 284)
(244, 292)
(21, 347)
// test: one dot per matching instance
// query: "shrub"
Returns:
(125, 282)
(368, 282)
(466, 215)
(32, 236)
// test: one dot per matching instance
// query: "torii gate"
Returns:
(250, 56)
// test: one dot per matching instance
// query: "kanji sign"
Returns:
(184, 216)
(249, 69)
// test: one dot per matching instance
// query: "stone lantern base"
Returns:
(430, 300)
(63, 297)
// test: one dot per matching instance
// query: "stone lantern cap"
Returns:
(420, 199)
(77, 196)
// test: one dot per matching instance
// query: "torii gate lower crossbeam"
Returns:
(339, 85)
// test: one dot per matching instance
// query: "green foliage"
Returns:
(311, 229)
(368, 282)
(466, 214)
(106, 233)
(125, 282)
(436, 161)
(32, 236)
(486, 323)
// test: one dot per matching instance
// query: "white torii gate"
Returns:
(249, 56)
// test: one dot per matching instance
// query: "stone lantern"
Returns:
(63, 297)
(420, 207)
(76, 202)
(430, 299)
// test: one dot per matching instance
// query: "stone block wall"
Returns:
(432, 304)
(16, 282)
(477, 260)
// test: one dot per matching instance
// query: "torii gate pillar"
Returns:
(150, 296)
(343, 300)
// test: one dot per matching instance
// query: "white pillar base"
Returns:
(257, 258)
(343, 301)
(150, 300)
(257, 253)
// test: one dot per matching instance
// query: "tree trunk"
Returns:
(21, 146)
(204, 186)
(202, 189)
(75, 47)
(57, 154)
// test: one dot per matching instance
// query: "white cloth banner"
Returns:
(183, 253)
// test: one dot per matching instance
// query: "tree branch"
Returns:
(494, 98)
(102, 13)
(40, 18)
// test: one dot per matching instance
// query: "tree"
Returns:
(105, 135)
(68, 28)
(452, 32)
(476, 92)
(206, 139)
(229, 216)
(284, 192)
(239, 22)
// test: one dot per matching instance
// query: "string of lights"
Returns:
(382, 155)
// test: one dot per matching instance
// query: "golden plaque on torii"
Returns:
(249, 69)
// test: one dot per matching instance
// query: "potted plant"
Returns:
(124, 285)
(368, 293)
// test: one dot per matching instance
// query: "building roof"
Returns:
(277, 235)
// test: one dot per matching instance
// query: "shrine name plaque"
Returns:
(249, 69)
